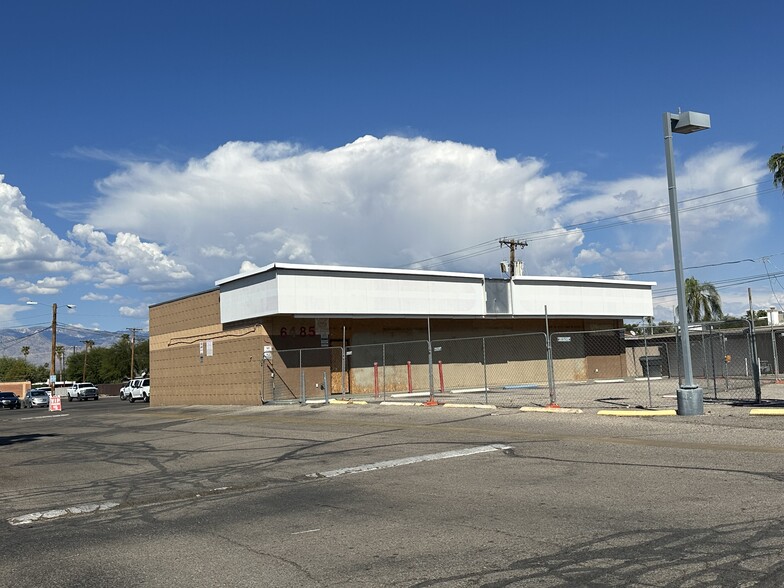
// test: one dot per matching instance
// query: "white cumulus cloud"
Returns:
(397, 201)
(127, 259)
(133, 311)
(26, 244)
(386, 202)
(44, 286)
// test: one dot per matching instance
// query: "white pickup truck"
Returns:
(82, 391)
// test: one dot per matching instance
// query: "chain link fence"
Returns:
(731, 360)
(770, 350)
(633, 367)
(502, 370)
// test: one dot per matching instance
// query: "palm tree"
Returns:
(26, 351)
(703, 302)
(776, 166)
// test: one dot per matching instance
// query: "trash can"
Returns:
(651, 366)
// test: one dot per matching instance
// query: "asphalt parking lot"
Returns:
(109, 493)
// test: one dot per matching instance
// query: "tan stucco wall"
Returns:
(182, 370)
(18, 388)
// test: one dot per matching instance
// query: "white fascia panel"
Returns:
(325, 294)
(255, 296)
(583, 298)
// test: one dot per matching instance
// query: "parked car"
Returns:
(125, 391)
(9, 400)
(140, 390)
(82, 391)
(36, 397)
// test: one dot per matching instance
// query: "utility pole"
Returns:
(52, 377)
(133, 346)
(513, 244)
(87, 345)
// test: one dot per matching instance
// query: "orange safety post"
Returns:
(410, 381)
(375, 379)
(441, 375)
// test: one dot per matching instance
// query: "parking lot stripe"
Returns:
(61, 512)
(621, 412)
(380, 465)
(767, 411)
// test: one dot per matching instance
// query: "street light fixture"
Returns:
(688, 394)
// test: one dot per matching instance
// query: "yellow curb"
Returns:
(767, 411)
(638, 413)
(336, 401)
(455, 405)
(546, 409)
(392, 403)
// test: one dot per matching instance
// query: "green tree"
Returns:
(760, 317)
(703, 302)
(16, 370)
(776, 166)
(116, 363)
(25, 351)
(107, 365)
(84, 366)
(141, 358)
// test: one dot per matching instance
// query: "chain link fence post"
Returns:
(775, 350)
(384, 371)
(713, 363)
(301, 380)
(755, 372)
(343, 367)
(647, 371)
(550, 369)
(430, 361)
(484, 366)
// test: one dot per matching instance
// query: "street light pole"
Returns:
(688, 394)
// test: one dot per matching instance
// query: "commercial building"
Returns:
(288, 331)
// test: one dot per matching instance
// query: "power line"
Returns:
(691, 267)
(766, 260)
(722, 284)
(16, 341)
(592, 225)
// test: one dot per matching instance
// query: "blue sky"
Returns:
(150, 148)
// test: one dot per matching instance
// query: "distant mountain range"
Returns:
(40, 341)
